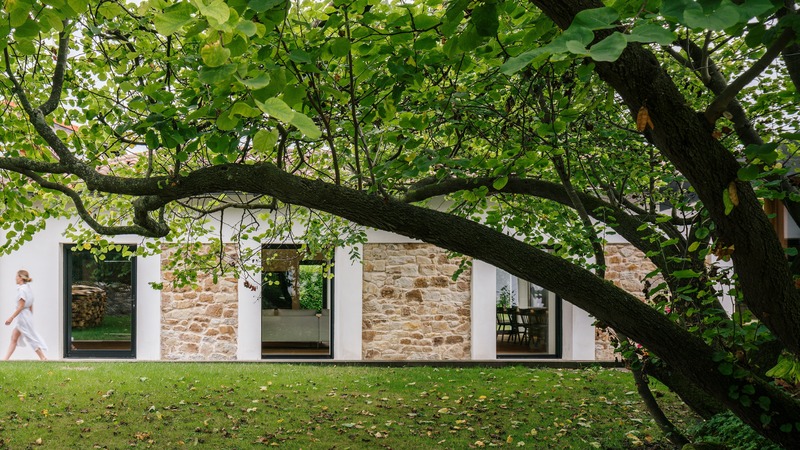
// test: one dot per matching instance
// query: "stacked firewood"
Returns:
(88, 306)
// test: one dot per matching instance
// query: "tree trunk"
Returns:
(621, 310)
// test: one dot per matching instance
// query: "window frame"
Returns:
(68, 351)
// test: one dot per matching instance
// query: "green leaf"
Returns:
(596, 19)
(686, 273)
(215, 75)
(300, 56)
(173, 19)
(519, 62)
(25, 46)
(227, 121)
(693, 246)
(244, 110)
(791, 136)
(151, 139)
(726, 368)
(609, 48)
(484, 17)
(723, 17)
(29, 29)
(752, 8)
(500, 183)
(52, 19)
(340, 46)
(110, 10)
(580, 34)
(651, 33)
(18, 15)
(79, 6)
(276, 108)
(217, 12)
(265, 140)
(264, 5)
(258, 82)
(294, 94)
(755, 35)
(214, 54)
(726, 200)
(748, 173)
(247, 27)
(577, 48)
(305, 125)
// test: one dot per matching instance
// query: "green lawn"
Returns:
(243, 405)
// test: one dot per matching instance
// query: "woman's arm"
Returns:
(20, 307)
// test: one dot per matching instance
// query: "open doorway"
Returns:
(296, 300)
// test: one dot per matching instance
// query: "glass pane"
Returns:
(101, 302)
(525, 319)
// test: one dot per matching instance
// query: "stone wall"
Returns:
(413, 310)
(626, 267)
(199, 322)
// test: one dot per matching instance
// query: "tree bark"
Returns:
(684, 137)
(621, 310)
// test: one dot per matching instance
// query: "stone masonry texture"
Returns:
(626, 267)
(200, 322)
(412, 307)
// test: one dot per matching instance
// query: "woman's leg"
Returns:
(13, 345)
(40, 353)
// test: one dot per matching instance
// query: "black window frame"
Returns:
(69, 352)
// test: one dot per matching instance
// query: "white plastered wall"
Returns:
(43, 258)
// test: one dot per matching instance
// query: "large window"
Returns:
(100, 310)
(295, 303)
(527, 319)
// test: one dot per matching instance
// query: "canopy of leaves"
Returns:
(544, 126)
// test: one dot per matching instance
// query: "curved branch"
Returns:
(58, 75)
(745, 130)
(622, 222)
(610, 304)
(724, 98)
(87, 217)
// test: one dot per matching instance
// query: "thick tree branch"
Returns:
(791, 54)
(623, 223)
(743, 127)
(717, 83)
(87, 217)
(614, 306)
(721, 102)
(58, 75)
(684, 137)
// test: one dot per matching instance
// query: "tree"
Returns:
(546, 124)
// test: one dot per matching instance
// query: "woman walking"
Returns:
(24, 334)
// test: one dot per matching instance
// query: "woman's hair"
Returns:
(25, 276)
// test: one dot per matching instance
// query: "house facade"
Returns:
(399, 301)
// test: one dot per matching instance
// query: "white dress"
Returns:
(24, 319)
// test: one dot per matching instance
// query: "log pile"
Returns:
(88, 306)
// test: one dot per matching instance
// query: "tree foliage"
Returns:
(546, 126)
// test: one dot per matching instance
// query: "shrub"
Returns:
(727, 430)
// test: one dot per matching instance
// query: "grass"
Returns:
(113, 328)
(243, 405)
